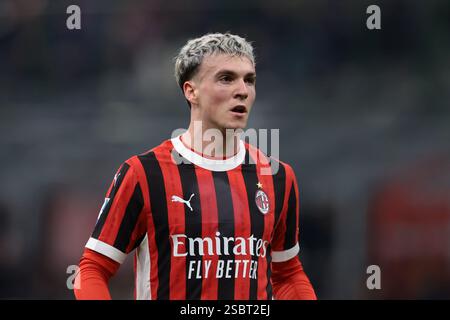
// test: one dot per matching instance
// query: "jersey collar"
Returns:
(209, 164)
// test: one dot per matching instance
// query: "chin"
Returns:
(236, 126)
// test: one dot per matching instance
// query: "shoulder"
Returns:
(163, 147)
(278, 167)
(139, 163)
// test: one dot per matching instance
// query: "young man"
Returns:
(204, 218)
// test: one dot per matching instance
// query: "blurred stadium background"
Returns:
(363, 116)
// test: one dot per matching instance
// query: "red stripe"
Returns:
(118, 208)
(142, 178)
(210, 225)
(297, 204)
(176, 219)
(139, 230)
(108, 193)
(241, 229)
(278, 237)
(262, 170)
(153, 249)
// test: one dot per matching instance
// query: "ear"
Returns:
(190, 92)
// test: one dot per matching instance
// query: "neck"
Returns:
(211, 142)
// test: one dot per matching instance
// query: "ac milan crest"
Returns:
(262, 201)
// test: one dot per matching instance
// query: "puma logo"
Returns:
(186, 202)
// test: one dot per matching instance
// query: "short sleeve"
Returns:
(285, 240)
(120, 225)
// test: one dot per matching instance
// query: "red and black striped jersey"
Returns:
(202, 228)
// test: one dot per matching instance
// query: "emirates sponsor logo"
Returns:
(184, 246)
(239, 266)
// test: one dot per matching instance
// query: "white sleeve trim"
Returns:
(281, 256)
(106, 250)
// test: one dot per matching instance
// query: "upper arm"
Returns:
(285, 238)
(121, 223)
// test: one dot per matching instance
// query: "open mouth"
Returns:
(239, 109)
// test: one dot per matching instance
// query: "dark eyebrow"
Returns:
(232, 73)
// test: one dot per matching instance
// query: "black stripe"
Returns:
(129, 220)
(139, 241)
(193, 227)
(226, 228)
(158, 207)
(291, 226)
(247, 159)
(112, 193)
(269, 273)
(256, 217)
(279, 186)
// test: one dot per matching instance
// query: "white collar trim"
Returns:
(209, 164)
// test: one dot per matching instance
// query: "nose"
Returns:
(241, 91)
